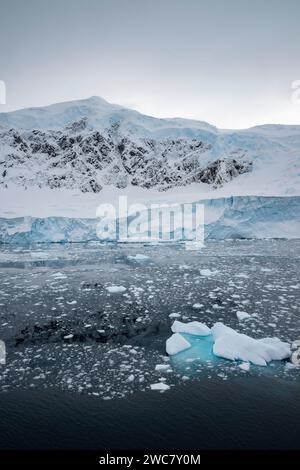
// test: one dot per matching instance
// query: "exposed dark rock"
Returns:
(90, 159)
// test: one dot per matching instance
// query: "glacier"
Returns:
(249, 217)
(59, 162)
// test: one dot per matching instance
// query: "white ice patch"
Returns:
(191, 328)
(197, 306)
(160, 386)
(242, 315)
(245, 366)
(208, 272)
(232, 345)
(162, 367)
(138, 257)
(116, 289)
(59, 275)
(174, 315)
(176, 343)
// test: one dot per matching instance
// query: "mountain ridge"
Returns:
(88, 144)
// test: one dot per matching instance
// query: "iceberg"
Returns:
(232, 345)
(224, 342)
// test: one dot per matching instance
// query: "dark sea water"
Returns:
(80, 361)
(247, 413)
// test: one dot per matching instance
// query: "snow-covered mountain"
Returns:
(58, 163)
(89, 144)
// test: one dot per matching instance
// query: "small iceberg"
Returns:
(160, 386)
(191, 328)
(174, 315)
(116, 289)
(197, 306)
(138, 257)
(69, 336)
(205, 344)
(232, 345)
(162, 367)
(242, 315)
(208, 272)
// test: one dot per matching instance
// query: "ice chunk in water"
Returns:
(242, 315)
(176, 343)
(116, 289)
(162, 367)
(208, 272)
(191, 328)
(245, 366)
(160, 386)
(232, 345)
(138, 257)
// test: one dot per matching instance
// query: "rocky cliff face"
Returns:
(84, 158)
(88, 144)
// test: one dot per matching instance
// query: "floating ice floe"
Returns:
(160, 386)
(59, 275)
(116, 289)
(245, 366)
(242, 315)
(176, 343)
(291, 366)
(191, 328)
(174, 315)
(232, 345)
(197, 306)
(69, 336)
(138, 257)
(162, 367)
(208, 272)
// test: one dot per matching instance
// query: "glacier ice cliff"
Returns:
(237, 217)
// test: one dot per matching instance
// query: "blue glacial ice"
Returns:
(226, 343)
(254, 217)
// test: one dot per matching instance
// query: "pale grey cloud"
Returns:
(230, 62)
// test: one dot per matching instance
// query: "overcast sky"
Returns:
(228, 62)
